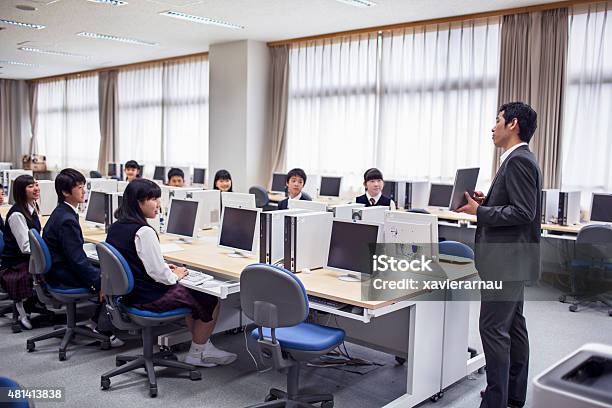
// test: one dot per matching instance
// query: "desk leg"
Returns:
(424, 362)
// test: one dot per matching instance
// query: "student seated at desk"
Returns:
(131, 170)
(223, 181)
(156, 286)
(176, 177)
(373, 183)
(70, 267)
(296, 180)
(21, 218)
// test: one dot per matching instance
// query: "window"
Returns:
(67, 123)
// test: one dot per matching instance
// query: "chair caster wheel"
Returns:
(400, 360)
(327, 404)
(62, 356)
(105, 383)
(195, 375)
(153, 392)
(610, 313)
(270, 397)
(573, 308)
(30, 346)
(105, 345)
(436, 398)
(562, 298)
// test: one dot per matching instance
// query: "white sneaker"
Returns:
(196, 360)
(116, 341)
(25, 322)
(213, 355)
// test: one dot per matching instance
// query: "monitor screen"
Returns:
(349, 246)
(112, 169)
(279, 182)
(199, 176)
(330, 186)
(159, 173)
(389, 190)
(601, 208)
(182, 217)
(238, 228)
(96, 207)
(440, 195)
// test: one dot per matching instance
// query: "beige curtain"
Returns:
(32, 97)
(108, 110)
(279, 94)
(532, 70)
(14, 121)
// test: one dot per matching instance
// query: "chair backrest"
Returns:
(272, 296)
(40, 256)
(116, 277)
(261, 196)
(454, 248)
(594, 242)
(1, 242)
(95, 174)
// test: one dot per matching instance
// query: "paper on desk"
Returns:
(167, 248)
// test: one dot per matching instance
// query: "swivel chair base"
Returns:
(68, 333)
(148, 361)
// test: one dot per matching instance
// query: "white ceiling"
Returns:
(264, 20)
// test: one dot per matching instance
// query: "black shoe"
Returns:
(515, 404)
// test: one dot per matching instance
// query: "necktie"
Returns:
(372, 201)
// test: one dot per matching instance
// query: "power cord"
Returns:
(246, 345)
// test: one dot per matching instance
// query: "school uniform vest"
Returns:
(383, 200)
(122, 236)
(12, 255)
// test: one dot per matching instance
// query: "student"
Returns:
(156, 285)
(131, 170)
(223, 181)
(1, 202)
(373, 183)
(22, 217)
(296, 180)
(176, 177)
(62, 234)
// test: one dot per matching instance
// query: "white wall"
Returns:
(238, 100)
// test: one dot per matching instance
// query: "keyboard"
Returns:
(326, 302)
(196, 277)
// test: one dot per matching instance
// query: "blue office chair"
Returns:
(261, 196)
(118, 281)
(276, 301)
(593, 255)
(56, 297)
(6, 384)
(454, 248)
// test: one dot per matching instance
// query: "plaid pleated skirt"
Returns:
(201, 304)
(17, 281)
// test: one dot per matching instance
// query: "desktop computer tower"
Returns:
(306, 240)
(569, 208)
(271, 230)
(416, 195)
(396, 191)
(550, 205)
(345, 211)
(7, 176)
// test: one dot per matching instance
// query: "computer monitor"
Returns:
(238, 200)
(141, 170)
(116, 201)
(210, 207)
(601, 208)
(349, 249)
(279, 183)
(199, 176)
(420, 231)
(307, 205)
(440, 195)
(115, 170)
(330, 186)
(97, 209)
(239, 231)
(159, 174)
(183, 219)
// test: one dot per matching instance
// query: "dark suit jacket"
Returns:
(508, 233)
(70, 266)
(383, 201)
(284, 204)
(1, 224)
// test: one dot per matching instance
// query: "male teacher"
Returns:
(507, 249)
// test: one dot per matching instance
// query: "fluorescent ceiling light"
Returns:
(358, 3)
(24, 25)
(201, 20)
(18, 63)
(59, 53)
(110, 2)
(114, 38)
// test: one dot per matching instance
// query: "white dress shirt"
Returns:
(149, 252)
(297, 197)
(510, 150)
(19, 228)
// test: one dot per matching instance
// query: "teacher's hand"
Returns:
(479, 197)
(471, 207)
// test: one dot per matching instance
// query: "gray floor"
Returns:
(554, 332)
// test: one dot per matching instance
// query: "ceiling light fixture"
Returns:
(25, 64)
(98, 36)
(110, 2)
(23, 25)
(201, 20)
(358, 3)
(49, 52)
